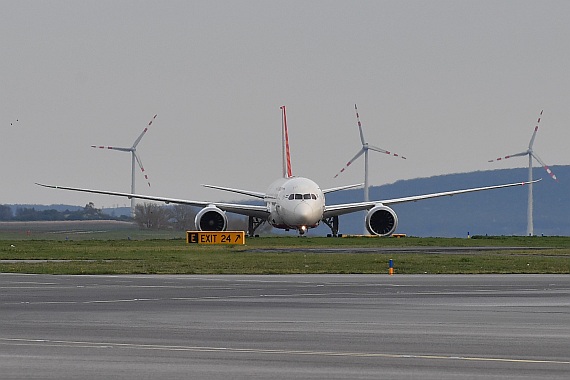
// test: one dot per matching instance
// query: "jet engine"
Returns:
(381, 220)
(211, 218)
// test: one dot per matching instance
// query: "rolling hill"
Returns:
(496, 212)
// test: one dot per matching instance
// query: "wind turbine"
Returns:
(134, 157)
(364, 150)
(530, 153)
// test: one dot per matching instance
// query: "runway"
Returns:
(285, 327)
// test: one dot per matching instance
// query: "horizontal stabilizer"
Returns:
(333, 189)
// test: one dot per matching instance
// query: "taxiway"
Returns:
(283, 327)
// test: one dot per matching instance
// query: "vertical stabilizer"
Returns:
(287, 171)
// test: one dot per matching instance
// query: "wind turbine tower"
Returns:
(530, 153)
(134, 157)
(364, 150)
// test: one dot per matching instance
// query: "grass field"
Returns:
(80, 230)
(103, 248)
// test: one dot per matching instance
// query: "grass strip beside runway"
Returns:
(287, 255)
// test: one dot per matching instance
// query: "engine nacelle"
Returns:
(381, 220)
(211, 218)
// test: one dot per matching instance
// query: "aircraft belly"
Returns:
(275, 219)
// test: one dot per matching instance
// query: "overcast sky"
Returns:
(448, 84)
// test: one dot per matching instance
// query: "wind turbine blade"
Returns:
(359, 126)
(545, 166)
(360, 153)
(143, 132)
(112, 147)
(510, 156)
(535, 130)
(375, 148)
(142, 167)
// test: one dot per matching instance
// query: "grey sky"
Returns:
(449, 84)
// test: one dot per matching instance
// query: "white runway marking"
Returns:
(102, 345)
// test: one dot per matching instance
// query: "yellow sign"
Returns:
(215, 237)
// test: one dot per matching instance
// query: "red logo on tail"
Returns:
(287, 171)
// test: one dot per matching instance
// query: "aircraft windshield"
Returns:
(302, 196)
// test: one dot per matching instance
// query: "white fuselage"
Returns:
(295, 203)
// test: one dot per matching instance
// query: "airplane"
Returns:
(292, 203)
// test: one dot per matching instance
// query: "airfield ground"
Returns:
(121, 248)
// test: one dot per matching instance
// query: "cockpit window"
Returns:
(302, 196)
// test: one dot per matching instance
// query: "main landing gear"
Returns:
(332, 222)
(252, 224)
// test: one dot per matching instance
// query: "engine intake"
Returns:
(381, 220)
(211, 218)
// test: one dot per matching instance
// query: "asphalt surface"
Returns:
(285, 327)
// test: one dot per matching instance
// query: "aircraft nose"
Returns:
(304, 214)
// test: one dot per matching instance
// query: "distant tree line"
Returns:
(147, 216)
(89, 212)
(179, 217)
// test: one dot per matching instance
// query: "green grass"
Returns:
(282, 255)
(80, 230)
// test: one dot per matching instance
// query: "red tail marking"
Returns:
(289, 171)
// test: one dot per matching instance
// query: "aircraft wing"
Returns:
(347, 208)
(238, 191)
(333, 189)
(236, 208)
